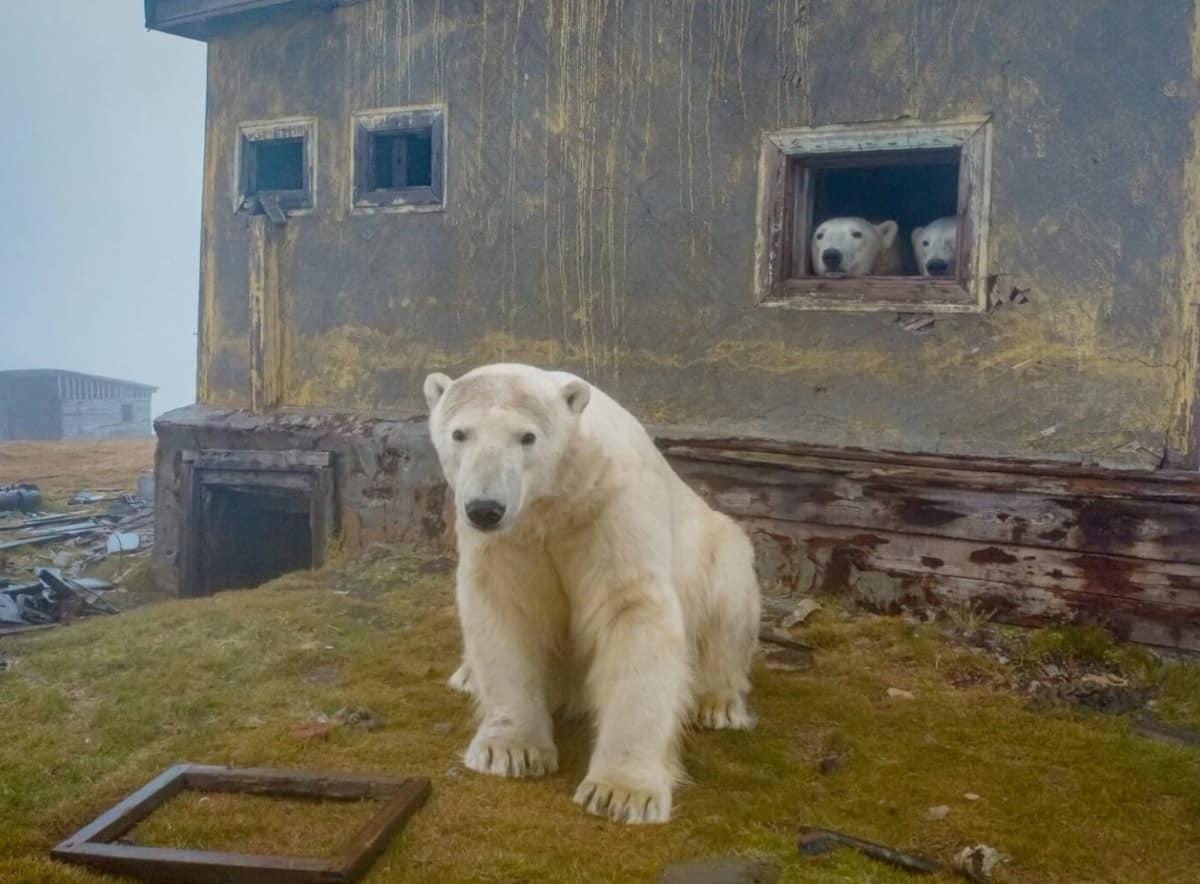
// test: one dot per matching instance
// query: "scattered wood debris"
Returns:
(804, 609)
(784, 653)
(815, 842)
(42, 579)
(976, 863)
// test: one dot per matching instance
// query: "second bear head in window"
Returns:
(934, 245)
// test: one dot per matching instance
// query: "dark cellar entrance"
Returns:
(251, 535)
(253, 516)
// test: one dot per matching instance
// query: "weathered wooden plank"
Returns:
(1164, 530)
(880, 292)
(278, 481)
(298, 783)
(266, 333)
(202, 867)
(1159, 603)
(1039, 607)
(856, 138)
(1165, 583)
(374, 837)
(1046, 477)
(130, 811)
(287, 461)
(772, 246)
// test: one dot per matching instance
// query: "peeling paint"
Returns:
(600, 215)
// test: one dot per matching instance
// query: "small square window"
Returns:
(402, 160)
(399, 160)
(275, 159)
(881, 186)
(126, 413)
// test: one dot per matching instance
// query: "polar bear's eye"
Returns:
(459, 436)
(925, 243)
(528, 439)
(857, 234)
(821, 234)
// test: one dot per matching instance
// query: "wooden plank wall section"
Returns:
(1037, 543)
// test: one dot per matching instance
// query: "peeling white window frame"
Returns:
(784, 217)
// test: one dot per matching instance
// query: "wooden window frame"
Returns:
(94, 846)
(785, 195)
(366, 126)
(251, 133)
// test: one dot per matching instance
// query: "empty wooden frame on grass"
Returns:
(93, 845)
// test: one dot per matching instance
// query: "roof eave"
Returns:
(203, 19)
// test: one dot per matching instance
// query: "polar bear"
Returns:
(934, 246)
(590, 577)
(855, 247)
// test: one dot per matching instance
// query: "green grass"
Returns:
(90, 712)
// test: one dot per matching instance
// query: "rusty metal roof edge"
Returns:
(202, 19)
(35, 372)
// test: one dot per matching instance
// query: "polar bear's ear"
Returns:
(917, 233)
(577, 393)
(888, 230)
(435, 386)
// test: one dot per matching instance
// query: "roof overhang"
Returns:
(202, 19)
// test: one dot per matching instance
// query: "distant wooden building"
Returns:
(49, 403)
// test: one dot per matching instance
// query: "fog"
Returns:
(101, 145)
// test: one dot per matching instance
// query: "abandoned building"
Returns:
(627, 190)
(56, 404)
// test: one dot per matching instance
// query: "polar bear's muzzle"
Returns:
(485, 514)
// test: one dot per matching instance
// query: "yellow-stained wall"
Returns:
(602, 162)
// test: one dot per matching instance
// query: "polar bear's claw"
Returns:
(461, 680)
(511, 759)
(624, 805)
(723, 712)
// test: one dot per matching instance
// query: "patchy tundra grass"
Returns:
(90, 712)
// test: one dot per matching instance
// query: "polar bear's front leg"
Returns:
(638, 686)
(506, 667)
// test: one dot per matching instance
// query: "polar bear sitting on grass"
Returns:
(590, 577)
(855, 247)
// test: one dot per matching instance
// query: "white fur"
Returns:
(859, 242)
(609, 586)
(936, 242)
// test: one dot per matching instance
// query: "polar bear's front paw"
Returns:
(624, 804)
(511, 759)
(723, 712)
(461, 680)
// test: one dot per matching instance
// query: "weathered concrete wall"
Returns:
(387, 483)
(600, 214)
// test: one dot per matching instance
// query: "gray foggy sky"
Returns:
(101, 145)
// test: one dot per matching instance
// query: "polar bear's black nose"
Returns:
(485, 514)
(937, 266)
(832, 258)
